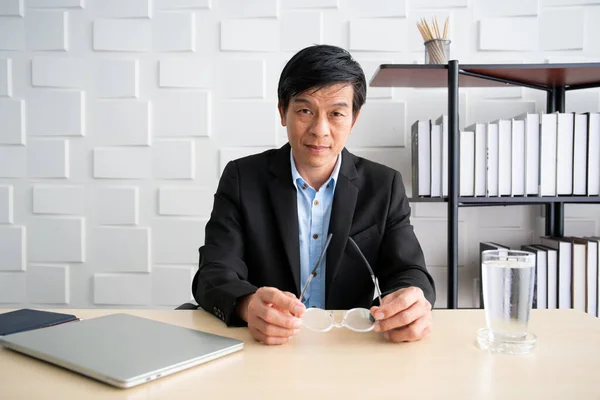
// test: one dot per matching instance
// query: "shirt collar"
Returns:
(332, 178)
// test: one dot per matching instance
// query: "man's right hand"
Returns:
(273, 316)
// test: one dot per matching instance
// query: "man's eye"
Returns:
(305, 111)
(337, 114)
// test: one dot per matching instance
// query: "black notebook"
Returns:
(26, 319)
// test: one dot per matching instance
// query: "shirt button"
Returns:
(304, 186)
(327, 187)
(315, 236)
(316, 202)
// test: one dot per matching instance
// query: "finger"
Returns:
(282, 301)
(290, 294)
(270, 340)
(402, 319)
(413, 332)
(397, 302)
(272, 330)
(279, 318)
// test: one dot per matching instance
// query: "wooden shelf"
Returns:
(542, 76)
(508, 201)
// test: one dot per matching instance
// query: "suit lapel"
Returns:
(285, 206)
(342, 212)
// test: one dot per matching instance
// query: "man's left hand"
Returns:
(404, 315)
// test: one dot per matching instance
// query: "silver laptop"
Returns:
(121, 349)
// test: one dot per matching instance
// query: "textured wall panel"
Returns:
(308, 22)
(6, 77)
(254, 123)
(173, 159)
(58, 71)
(249, 35)
(518, 34)
(174, 31)
(13, 162)
(48, 159)
(12, 34)
(374, 128)
(182, 114)
(56, 113)
(121, 163)
(506, 8)
(121, 249)
(228, 154)
(381, 8)
(392, 157)
(440, 3)
(55, 3)
(122, 35)
(48, 284)
(185, 201)
(12, 8)
(121, 8)
(12, 248)
(303, 4)
(13, 287)
(47, 30)
(6, 204)
(172, 286)
(571, 33)
(117, 78)
(56, 239)
(117, 205)
(176, 241)
(185, 73)
(12, 115)
(378, 34)
(181, 4)
(122, 289)
(243, 78)
(121, 122)
(247, 9)
(54, 199)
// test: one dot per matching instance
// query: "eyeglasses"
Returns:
(356, 319)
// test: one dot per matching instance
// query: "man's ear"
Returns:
(355, 118)
(281, 114)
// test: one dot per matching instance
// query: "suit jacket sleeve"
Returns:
(221, 279)
(402, 262)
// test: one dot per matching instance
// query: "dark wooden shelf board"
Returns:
(508, 201)
(436, 76)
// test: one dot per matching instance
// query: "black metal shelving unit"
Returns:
(554, 79)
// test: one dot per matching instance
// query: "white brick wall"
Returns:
(118, 116)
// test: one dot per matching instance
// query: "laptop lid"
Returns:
(122, 350)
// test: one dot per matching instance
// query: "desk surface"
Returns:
(447, 364)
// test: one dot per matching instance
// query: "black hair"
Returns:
(316, 67)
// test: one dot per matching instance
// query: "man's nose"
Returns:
(320, 126)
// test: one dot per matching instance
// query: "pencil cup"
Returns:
(437, 51)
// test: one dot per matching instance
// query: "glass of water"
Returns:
(508, 278)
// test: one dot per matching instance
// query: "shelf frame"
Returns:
(556, 81)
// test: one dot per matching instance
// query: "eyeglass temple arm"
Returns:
(314, 271)
(377, 289)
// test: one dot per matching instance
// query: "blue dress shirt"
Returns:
(314, 212)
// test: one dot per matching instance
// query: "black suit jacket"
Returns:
(252, 236)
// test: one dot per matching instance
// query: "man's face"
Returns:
(318, 124)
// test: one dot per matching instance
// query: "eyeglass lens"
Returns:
(357, 319)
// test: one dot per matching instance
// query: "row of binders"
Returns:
(531, 154)
(566, 272)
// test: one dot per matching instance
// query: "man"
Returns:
(273, 212)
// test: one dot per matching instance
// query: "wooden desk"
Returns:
(343, 364)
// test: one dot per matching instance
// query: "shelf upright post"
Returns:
(555, 102)
(453, 184)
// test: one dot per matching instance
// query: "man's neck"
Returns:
(316, 177)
